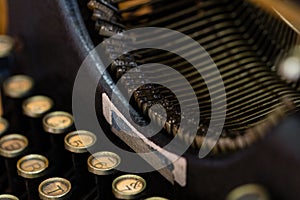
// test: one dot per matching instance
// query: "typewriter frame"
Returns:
(56, 41)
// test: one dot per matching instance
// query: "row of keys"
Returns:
(101, 164)
(56, 181)
(57, 178)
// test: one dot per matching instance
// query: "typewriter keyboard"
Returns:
(44, 157)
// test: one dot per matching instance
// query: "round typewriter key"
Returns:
(18, 86)
(32, 167)
(103, 165)
(8, 197)
(37, 106)
(128, 186)
(58, 122)
(77, 143)
(34, 108)
(156, 198)
(248, 191)
(55, 188)
(12, 146)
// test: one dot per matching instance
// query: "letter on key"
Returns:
(54, 188)
(128, 186)
(12, 145)
(79, 141)
(103, 163)
(57, 122)
(32, 166)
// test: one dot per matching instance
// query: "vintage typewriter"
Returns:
(251, 101)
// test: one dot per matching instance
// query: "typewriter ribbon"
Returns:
(117, 112)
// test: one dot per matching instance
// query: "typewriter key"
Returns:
(12, 146)
(57, 124)
(55, 188)
(34, 108)
(78, 143)
(128, 186)
(248, 191)
(37, 106)
(15, 89)
(156, 198)
(8, 197)
(103, 165)
(32, 167)
(18, 86)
